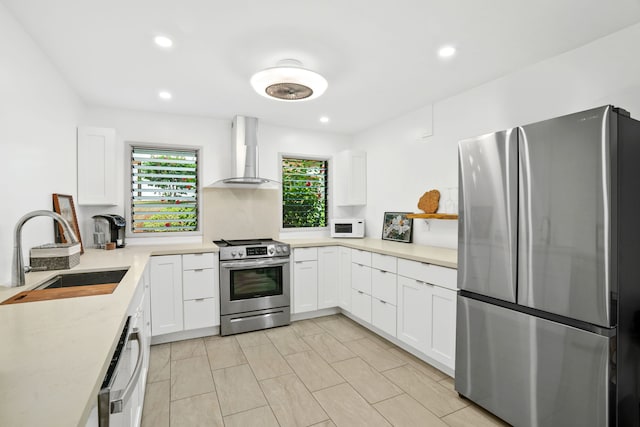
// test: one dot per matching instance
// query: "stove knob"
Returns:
(285, 249)
(234, 253)
(278, 249)
(271, 251)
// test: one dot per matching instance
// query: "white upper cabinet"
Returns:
(350, 186)
(97, 183)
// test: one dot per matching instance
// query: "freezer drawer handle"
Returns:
(123, 395)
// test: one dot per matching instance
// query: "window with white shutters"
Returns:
(164, 190)
(304, 193)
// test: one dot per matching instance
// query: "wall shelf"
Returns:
(432, 216)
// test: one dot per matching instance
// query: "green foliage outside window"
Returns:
(164, 191)
(304, 193)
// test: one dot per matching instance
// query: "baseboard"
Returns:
(185, 335)
(314, 314)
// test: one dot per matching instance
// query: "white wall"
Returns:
(38, 118)
(401, 169)
(214, 136)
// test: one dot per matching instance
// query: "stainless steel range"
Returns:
(254, 285)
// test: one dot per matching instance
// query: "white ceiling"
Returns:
(380, 57)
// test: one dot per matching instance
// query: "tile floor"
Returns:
(328, 371)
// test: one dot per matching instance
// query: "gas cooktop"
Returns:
(251, 248)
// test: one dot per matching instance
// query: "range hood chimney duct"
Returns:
(244, 153)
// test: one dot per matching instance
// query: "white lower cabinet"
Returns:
(427, 319)
(328, 277)
(361, 277)
(344, 281)
(184, 293)
(413, 301)
(166, 294)
(305, 295)
(441, 339)
(199, 313)
(361, 305)
(383, 316)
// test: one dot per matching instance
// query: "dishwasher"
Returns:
(117, 399)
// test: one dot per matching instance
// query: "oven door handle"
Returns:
(122, 396)
(252, 264)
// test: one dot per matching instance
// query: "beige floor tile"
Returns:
(238, 389)
(436, 398)
(287, 341)
(224, 352)
(307, 327)
(430, 371)
(201, 410)
(327, 423)
(291, 402)
(313, 371)
(404, 411)
(259, 417)
(371, 384)
(187, 348)
(347, 408)
(381, 342)
(473, 416)
(449, 383)
(374, 355)
(190, 377)
(251, 339)
(159, 366)
(329, 348)
(266, 362)
(343, 329)
(155, 412)
(320, 320)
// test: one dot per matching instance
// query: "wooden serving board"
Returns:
(59, 293)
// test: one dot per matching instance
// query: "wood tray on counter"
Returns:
(60, 293)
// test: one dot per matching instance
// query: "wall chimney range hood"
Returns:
(244, 155)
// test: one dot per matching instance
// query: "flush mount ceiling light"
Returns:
(165, 95)
(447, 51)
(163, 41)
(288, 81)
(324, 119)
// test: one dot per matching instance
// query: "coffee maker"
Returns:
(109, 228)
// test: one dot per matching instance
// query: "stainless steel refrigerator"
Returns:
(548, 320)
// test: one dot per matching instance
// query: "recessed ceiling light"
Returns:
(163, 41)
(288, 81)
(164, 95)
(446, 51)
(324, 119)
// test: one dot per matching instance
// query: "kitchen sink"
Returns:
(70, 280)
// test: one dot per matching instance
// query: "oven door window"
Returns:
(256, 282)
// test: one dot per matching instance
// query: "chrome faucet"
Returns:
(17, 275)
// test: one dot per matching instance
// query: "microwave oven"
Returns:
(351, 227)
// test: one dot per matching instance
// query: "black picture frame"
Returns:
(397, 227)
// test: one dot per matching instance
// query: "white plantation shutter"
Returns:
(164, 190)
(304, 193)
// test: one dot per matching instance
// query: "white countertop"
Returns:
(444, 257)
(54, 354)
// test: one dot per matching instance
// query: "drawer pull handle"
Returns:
(420, 282)
(360, 292)
(198, 270)
(382, 271)
(384, 302)
(199, 299)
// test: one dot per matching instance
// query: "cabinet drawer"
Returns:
(361, 305)
(383, 285)
(383, 316)
(200, 313)
(384, 262)
(361, 257)
(361, 278)
(305, 254)
(429, 273)
(196, 261)
(198, 284)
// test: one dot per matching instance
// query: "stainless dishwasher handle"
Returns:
(122, 396)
